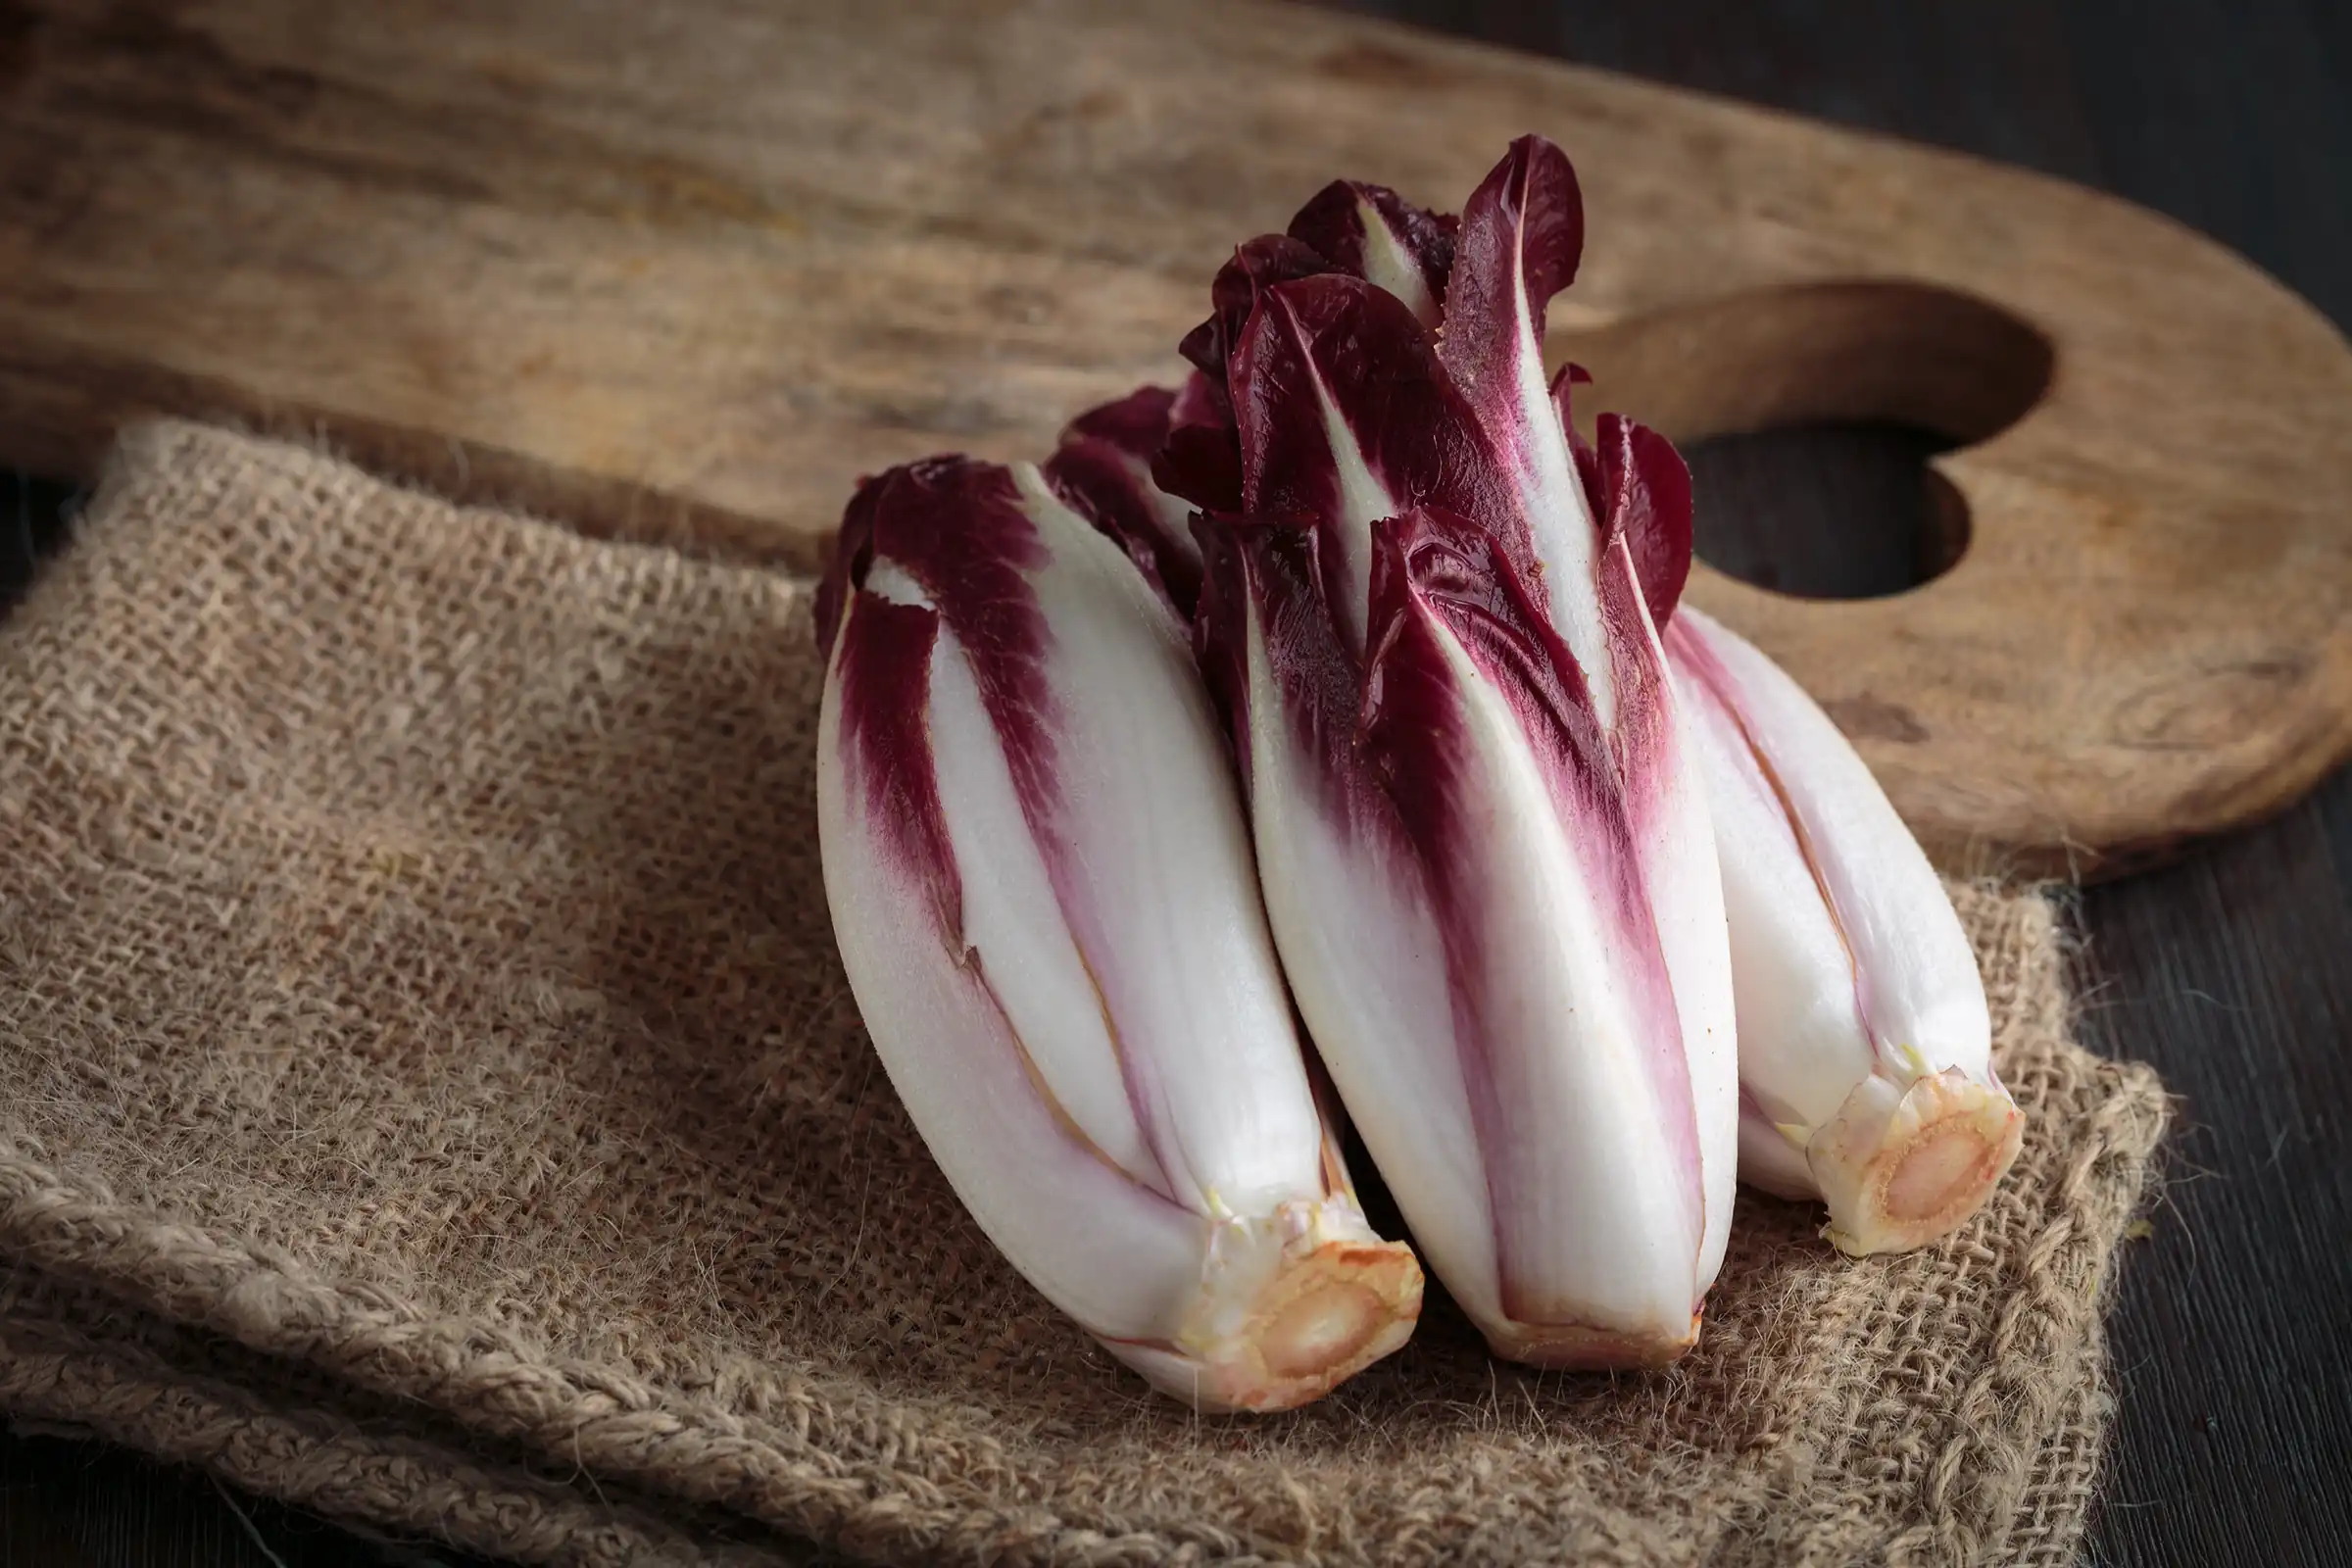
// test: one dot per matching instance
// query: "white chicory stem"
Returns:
(1486, 855)
(1865, 1046)
(1045, 897)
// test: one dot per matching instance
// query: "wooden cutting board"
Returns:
(684, 270)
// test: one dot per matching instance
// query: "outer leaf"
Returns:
(1104, 471)
(957, 528)
(1373, 985)
(1147, 857)
(1103, 936)
(1805, 1043)
(1482, 724)
(1914, 975)
(1520, 237)
(1202, 461)
(1378, 236)
(1494, 1007)
(1865, 1037)
(964, 1073)
(1347, 416)
(1645, 489)
(1588, 461)
(1258, 265)
(882, 686)
(1364, 231)
(1656, 520)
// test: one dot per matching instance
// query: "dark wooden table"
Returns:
(2231, 971)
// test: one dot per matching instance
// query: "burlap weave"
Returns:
(432, 1097)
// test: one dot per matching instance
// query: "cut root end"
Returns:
(1900, 1177)
(1327, 1319)
(1328, 1307)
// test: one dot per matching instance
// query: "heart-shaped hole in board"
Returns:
(1826, 511)
(1814, 413)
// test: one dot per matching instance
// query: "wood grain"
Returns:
(685, 271)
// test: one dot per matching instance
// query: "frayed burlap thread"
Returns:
(416, 983)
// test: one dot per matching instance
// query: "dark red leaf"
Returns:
(1337, 342)
(956, 526)
(1336, 224)
(1269, 567)
(1202, 461)
(885, 701)
(1104, 469)
(1256, 266)
(1522, 234)
(1644, 494)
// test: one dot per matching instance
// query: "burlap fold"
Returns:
(428, 1063)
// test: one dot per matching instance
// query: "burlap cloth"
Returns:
(431, 1097)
